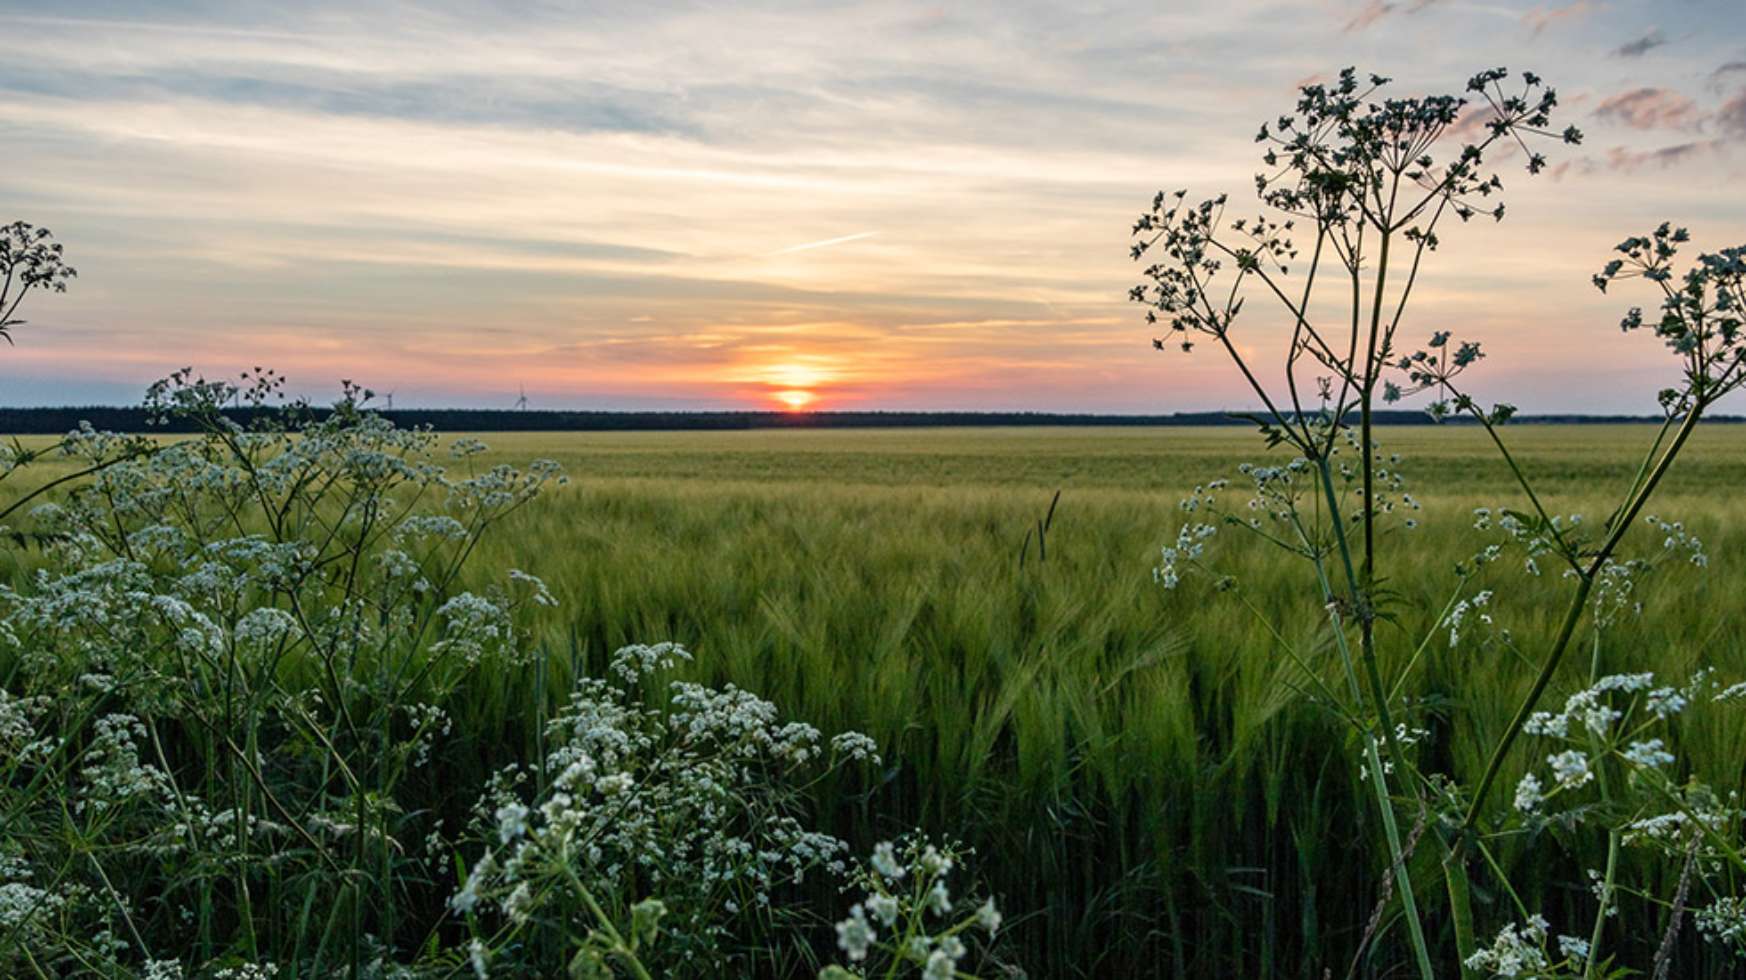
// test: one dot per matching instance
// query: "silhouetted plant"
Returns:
(1358, 185)
(30, 259)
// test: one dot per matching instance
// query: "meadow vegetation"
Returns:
(1161, 796)
(1135, 768)
(318, 696)
(1357, 190)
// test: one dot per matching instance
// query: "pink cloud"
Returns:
(1546, 16)
(1650, 108)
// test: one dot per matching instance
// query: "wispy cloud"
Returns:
(1731, 117)
(1370, 13)
(1374, 11)
(825, 243)
(1649, 108)
(1634, 161)
(1540, 18)
(1638, 47)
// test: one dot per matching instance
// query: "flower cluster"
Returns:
(30, 259)
(907, 921)
(1189, 547)
(1724, 921)
(1702, 317)
(1476, 606)
(697, 804)
(233, 648)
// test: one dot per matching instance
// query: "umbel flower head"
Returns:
(1330, 164)
(1702, 317)
(30, 259)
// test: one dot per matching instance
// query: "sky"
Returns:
(837, 205)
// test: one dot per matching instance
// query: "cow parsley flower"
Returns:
(1516, 951)
(988, 917)
(855, 934)
(1529, 794)
(856, 746)
(1724, 921)
(1573, 948)
(265, 627)
(511, 821)
(885, 861)
(1665, 702)
(883, 907)
(939, 900)
(1570, 768)
(1650, 753)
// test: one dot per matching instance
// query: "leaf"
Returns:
(646, 918)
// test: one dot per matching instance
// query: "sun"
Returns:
(795, 399)
(796, 375)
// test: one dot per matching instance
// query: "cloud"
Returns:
(1624, 160)
(1641, 46)
(1635, 161)
(1728, 69)
(1656, 109)
(1649, 108)
(1376, 10)
(1731, 117)
(1370, 13)
(1545, 15)
(825, 243)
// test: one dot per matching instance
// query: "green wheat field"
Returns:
(1148, 787)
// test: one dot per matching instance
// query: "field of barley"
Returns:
(1147, 779)
(1138, 768)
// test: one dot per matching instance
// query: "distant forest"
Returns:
(40, 421)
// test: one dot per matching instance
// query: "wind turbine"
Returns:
(389, 397)
(521, 403)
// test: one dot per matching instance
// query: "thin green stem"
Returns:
(620, 948)
(1522, 480)
(1572, 616)
(1378, 775)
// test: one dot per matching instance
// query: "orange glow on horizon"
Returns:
(795, 400)
(797, 374)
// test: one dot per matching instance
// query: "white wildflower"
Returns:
(1724, 921)
(885, 861)
(939, 899)
(856, 746)
(1570, 768)
(163, 970)
(855, 934)
(511, 821)
(1515, 952)
(883, 907)
(1665, 702)
(1574, 949)
(988, 917)
(1649, 753)
(1529, 794)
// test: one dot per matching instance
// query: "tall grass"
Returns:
(1149, 783)
(1138, 768)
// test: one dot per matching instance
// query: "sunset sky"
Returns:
(746, 205)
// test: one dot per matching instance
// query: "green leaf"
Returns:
(646, 921)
